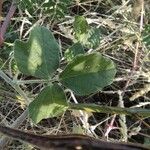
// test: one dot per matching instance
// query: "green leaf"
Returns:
(146, 35)
(57, 9)
(91, 39)
(73, 51)
(28, 5)
(146, 39)
(80, 26)
(39, 56)
(88, 73)
(88, 37)
(146, 63)
(51, 102)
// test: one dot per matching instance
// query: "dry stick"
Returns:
(110, 127)
(16, 124)
(137, 8)
(7, 20)
(68, 142)
(137, 55)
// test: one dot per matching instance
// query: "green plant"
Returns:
(54, 8)
(49, 82)
(84, 74)
(88, 36)
(39, 57)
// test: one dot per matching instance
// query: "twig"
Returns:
(16, 124)
(111, 126)
(68, 141)
(7, 21)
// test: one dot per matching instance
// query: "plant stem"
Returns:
(112, 110)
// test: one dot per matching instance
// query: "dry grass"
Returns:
(121, 24)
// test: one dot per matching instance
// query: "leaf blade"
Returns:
(39, 56)
(88, 73)
(87, 36)
(51, 102)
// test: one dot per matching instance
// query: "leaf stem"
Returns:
(112, 110)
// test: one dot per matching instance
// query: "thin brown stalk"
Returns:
(6, 21)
